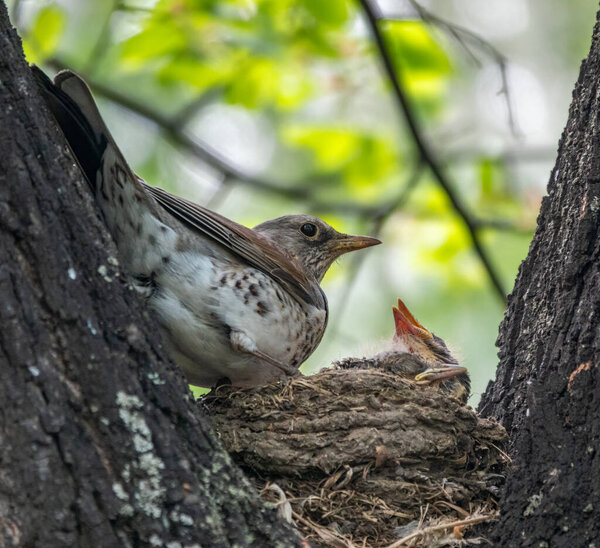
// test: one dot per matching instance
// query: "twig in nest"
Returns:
(440, 527)
(325, 534)
(457, 509)
(504, 454)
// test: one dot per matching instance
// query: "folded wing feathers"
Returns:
(241, 241)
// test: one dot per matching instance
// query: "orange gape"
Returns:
(407, 323)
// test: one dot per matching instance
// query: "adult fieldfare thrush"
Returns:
(232, 302)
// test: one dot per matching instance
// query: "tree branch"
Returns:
(102, 42)
(203, 151)
(461, 35)
(426, 152)
(172, 128)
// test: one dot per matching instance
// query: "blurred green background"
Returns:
(260, 108)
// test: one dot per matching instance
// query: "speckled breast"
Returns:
(281, 326)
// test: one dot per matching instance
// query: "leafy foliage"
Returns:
(45, 33)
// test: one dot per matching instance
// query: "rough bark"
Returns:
(546, 391)
(101, 443)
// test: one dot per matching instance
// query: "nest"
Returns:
(364, 457)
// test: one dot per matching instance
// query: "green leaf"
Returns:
(195, 72)
(415, 49)
(260, 82)
(45, 34)
(486, 176)
(419, 59)
(160, 38)
(332, 148)
(375, 160)
(330, 12)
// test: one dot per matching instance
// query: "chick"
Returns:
(432, 361)
(419, 355)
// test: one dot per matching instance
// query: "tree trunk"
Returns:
(102, 444)
(547, 388)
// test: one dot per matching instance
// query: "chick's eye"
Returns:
(308, 229)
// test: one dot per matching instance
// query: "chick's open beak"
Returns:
(406, 323)
(346, 243)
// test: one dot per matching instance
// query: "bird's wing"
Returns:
(253, 248)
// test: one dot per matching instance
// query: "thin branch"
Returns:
(298, 191)
(462, 35)
(203, 151)
(426, 152)
(189, 110)
(502, 225)
(122, 6)
(327, 535)
(15, 13)
(220, 194)
(515, 154)
(230, 173)
(382, 214)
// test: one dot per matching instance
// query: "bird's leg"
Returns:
(242, 343)
(444, 371)
(287, 369)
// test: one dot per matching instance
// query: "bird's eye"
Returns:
(309, 230)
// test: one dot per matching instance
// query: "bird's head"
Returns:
(413, 338)
(312, 241)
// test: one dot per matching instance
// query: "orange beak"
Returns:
(406, 323)
(346, 243)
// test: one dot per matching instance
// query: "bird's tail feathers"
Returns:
(71, 102)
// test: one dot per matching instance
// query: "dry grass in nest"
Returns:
(363, 457)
